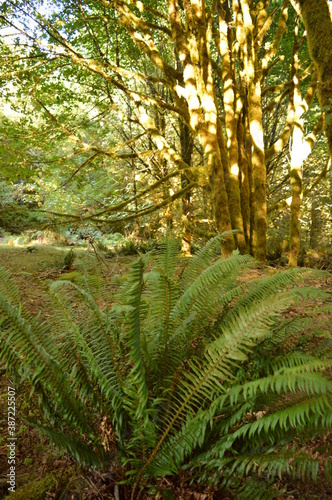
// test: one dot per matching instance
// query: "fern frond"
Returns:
(21, 346)
(314, 411)
(74, 355)
(206, 377)
(8, 288)
(254, 488)
(325, 309)
(167, 256)
(271, 463)
(285, 461)
(288, 327)
(87, 455)
(214, 286)
(136, 387)
(98, 352)
(161, 294)
(201, 261)
(263, 287)
(296, 359)
(234, 403)
(311, 292)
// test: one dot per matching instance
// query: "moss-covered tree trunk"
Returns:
(193, 48)
(299, 150)
(232, 111)
(244, 182)
(296, 158)
(316, 17)
(137, 226)
(187, 145)
(259, 172)
(253, 80)
(159, 119)
(296, 193)
(316, 223)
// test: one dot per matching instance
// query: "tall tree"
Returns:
(210, 68)
(317, 19)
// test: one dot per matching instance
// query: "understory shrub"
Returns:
(131, 247)
(19, 213)
(193, 370)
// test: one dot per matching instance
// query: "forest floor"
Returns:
(42, 472)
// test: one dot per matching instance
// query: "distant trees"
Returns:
(193, 104)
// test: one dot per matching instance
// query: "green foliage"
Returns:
(69, 259)
(130, 247)
(187, 371)
(19, 208)
(16, 218)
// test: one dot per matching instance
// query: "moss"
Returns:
(74, 277)
(229, 81)
(220, 205)
(244, 182)
(80, 279)
(259, 171)
(317, 21)
(36, 490)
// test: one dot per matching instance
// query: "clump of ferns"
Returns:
(183, 373)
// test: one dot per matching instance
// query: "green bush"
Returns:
(127, 247)
(112, 239)
(68, 259)
(18, 214)
(131, 247)
(187, 373)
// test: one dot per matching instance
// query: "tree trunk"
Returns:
(244, 182)
(220, 200)
(193, 48)
(161, 126)
(299, 151)
(296, 158)
(259, 172)
(316, 224)
(317, 20)
(187, 146)
(231, 118)
(252, 80)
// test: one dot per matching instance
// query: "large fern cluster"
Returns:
(188, 370)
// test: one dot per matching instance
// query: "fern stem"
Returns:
(168, 299)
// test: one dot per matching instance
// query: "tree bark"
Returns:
(193, 50)
(296, 159)
(231, 118)
(316, 224)
(187, 145)
(244, 182)
(253, 79)
(259, 172)
(317, 21)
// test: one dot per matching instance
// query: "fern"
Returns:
(201, 261)
(19, 340)
(195, 371)
(137, 388)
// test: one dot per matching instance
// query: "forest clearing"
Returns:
(165, 249)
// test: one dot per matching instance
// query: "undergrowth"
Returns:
(191, 371)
